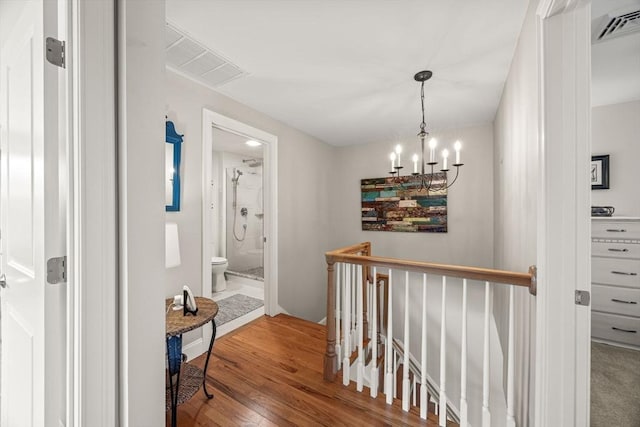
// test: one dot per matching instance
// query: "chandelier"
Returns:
(433, 180)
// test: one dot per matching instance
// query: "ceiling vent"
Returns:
(188, 57)
(609, 26)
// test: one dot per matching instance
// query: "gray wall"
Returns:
(516, 179)
(303, 191)
(469, 240)
(615, 129)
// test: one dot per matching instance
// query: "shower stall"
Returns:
(244, 219)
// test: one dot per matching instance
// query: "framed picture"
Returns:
(600, 172)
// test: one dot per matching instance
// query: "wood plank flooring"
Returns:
(269, 373)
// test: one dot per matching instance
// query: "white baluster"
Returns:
(347, 325)
(423, 380)
(443, 355)
(360, 328)
(414, 391)
(339, 285)
(511, 421)
(388, 380)
(395, 374)
(463, 363)
(354, 299)
(374, 337)
(405, 363)
(486, 413)
(368, 306)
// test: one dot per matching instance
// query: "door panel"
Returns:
(32, 359)
(20, 375)
(19, 151)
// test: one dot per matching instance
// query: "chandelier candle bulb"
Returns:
(457, 147)
(415, 163)
(445, 156)
(392, 157)
(398, 152)
(432, 150)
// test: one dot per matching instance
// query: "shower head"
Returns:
(236, 175)
(253, 163)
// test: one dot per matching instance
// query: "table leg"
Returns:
(206, 363)
(174, 368)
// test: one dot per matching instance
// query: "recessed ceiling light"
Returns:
(252, 143)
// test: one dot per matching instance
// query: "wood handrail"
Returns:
(349, 254)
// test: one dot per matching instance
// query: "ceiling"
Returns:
(615, 63)
(342, 70)
(234, 143)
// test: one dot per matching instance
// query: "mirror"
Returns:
(173, 147)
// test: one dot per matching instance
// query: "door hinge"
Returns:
(57, 270)
(55, 52)
(583, 298)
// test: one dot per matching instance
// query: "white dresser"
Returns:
(615, 278)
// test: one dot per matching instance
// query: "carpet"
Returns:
(615, 386)
(235, 306)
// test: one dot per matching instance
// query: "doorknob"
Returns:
(3, 281)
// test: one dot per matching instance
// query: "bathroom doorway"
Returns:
(239, 221)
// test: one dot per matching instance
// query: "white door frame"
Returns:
(92, 286)
(563, 237)
(210, 120)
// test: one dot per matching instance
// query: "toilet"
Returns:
(218, 267)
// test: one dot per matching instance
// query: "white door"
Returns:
(32, 224)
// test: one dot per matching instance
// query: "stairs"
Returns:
(415, 373)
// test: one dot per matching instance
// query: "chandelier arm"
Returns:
(456, 177)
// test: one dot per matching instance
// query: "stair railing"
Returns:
(360, 306)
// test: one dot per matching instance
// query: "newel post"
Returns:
(330, 360)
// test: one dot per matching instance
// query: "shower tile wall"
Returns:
(247, 254)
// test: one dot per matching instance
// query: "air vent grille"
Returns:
(192, 59)
(616, 26)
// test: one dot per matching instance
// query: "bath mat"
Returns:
(235, 306)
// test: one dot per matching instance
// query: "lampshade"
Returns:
(172, 245)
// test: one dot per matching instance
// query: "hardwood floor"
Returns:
(269, 373)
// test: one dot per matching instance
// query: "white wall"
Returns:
(141, 216)
(469, 240)
(615, 129)
(516, 164)
(303, 190)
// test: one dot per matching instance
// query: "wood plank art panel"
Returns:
(400, 204)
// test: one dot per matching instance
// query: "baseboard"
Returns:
(323, 321)
(193, 349)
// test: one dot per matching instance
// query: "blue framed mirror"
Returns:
(173, 148)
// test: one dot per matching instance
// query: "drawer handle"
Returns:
(624, 273)
(616, 230)
(623, 301)
(630, 331)
(618, 250)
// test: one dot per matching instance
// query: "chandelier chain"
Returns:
(423, 125)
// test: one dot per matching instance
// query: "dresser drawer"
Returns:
(617, 250)
(614, 271)
(615, 229)
(615, 328)
(616, 300)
